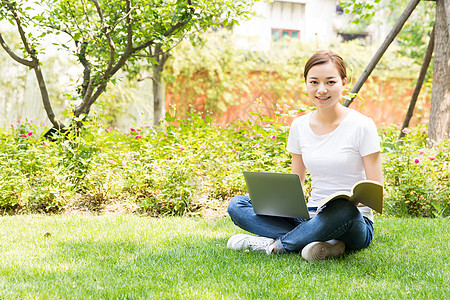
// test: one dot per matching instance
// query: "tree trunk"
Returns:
(439, 123)
(158, 97)
(159, 101)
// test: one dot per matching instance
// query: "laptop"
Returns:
(276, 194)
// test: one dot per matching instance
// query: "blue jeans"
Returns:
(339, 220)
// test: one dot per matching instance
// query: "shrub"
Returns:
(183, 165)
(417, 178)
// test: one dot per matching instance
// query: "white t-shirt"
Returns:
(334, 160)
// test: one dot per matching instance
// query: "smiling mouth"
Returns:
(322, 98)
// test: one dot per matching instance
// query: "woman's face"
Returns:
(324, 85)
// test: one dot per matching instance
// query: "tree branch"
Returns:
(376, 58)
(85, 11)
(35, 64)
(143, 78)
(129, 47)
(87, 68)
(112, 47)
(45, 98)
(125, 16)
(21, 31)
(20, 60)
(100, 83)
(84, 102)
(170, 31)
(100, 89)
(420, 80)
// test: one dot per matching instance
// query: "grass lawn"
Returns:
(131, 257)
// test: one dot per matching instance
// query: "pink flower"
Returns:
(109, 129)
(156, 168)
(273, 137)
(260, 135)
(44, 143)
(233, 150)
(203, 146)
(133, 129)
(416, 160)
(406, 130)
(431, 157)
(23, 135)
(165, 135)
(12, 126)
(30, 133)
(256, 145)
(182, 149)
(421, 151)
(138, 137)
(112, 162)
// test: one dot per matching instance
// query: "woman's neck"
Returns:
(331, 115)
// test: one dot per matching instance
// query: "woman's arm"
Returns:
(298, 167)
(373, 167)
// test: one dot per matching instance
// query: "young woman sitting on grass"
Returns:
(339, 147)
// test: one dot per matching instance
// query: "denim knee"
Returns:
(342, 208)
(236, 204)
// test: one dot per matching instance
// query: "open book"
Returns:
(367, 192)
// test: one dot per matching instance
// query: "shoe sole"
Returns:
(231, 241)
(316, 251)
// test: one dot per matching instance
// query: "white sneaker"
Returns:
(245, 241)
(320, 250)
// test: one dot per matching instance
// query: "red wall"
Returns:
(385, 101)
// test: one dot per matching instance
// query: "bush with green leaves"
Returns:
(188, 164)
(417, 177)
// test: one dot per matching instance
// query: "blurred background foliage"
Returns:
(195, 158)
(189, 165)
(212, 74)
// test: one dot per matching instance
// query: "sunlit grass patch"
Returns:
(126, 256)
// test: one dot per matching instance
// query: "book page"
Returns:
(369, 193)
(343, 194)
